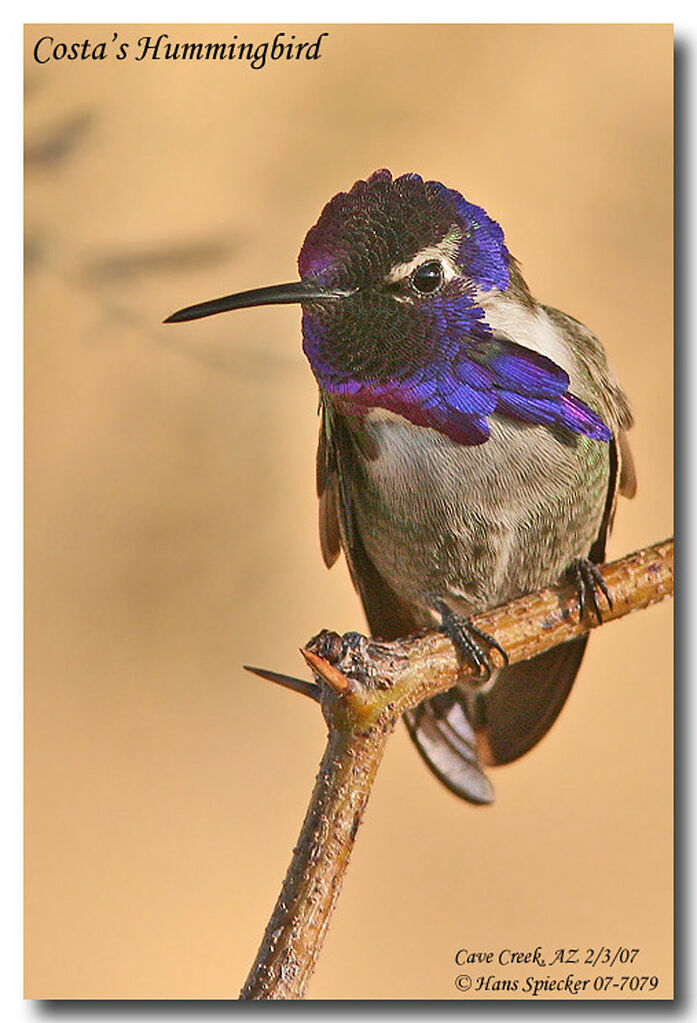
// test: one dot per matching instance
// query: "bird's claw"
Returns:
(468, 639)
(590, 584)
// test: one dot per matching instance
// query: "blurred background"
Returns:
(171, 517)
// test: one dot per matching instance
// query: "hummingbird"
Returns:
(472, 446)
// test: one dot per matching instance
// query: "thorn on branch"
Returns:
(296, 685)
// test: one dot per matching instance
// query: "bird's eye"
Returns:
(427, 278)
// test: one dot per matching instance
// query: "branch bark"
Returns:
(364, 687)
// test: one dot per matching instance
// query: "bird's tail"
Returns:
(462, 730)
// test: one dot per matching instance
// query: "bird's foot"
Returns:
(470, 641)
(590, 584)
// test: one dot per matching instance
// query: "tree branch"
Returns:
(365, 686)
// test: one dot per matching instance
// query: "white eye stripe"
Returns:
(434, 253)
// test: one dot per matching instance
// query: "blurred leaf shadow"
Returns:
(179, 257)
(58, 141)
(101, 276)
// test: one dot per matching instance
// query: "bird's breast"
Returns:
(476, 524)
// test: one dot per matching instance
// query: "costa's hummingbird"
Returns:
(472, 446)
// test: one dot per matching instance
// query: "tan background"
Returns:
(171, 520)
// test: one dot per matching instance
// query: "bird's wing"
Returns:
(328, 493)
(627, 478)
(524, 702)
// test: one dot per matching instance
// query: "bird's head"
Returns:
(393, 277)
(411, 257)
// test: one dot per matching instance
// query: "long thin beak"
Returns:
(278, 294)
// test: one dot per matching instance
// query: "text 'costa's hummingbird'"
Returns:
(472, 446)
